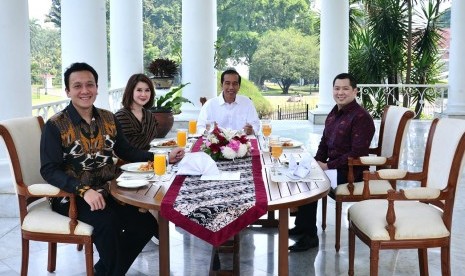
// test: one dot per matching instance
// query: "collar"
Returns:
(74, 115)
(221, 99)
(350, 106)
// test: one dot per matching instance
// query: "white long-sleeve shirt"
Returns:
(234, 115)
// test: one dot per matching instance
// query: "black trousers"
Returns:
(120, 232)
(306, 214)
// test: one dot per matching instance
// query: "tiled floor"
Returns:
(191, 256)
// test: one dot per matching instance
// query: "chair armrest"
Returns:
(388, 174)
(373, 160)
(423, 194)
(48, 190)
(41, 190)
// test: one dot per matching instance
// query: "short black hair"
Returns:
(76, 67)
(230, 72)
(342, 76)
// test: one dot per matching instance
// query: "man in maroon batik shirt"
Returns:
(348, 132)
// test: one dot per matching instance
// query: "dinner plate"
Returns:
(134, 167)
(132, 183)
(295, 143)
(197, 135)
(158, 144)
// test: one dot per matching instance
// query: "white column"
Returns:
(15, 60)
(84, 39)
(126, 41)
(456, 100)
(15, 73)
(198, 38)
(334, 53)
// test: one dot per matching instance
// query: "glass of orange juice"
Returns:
(266, 131)
(193, 127)
(182, 137)
(160, 160)
(276, 151)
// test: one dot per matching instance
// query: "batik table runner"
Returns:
(217, 210)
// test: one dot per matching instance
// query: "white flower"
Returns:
(213, 139)
(228, 153)
(228, 133)
(243, 149)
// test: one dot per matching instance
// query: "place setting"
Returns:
(296, 169)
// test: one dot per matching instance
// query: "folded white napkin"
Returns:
(301, 170)
(197, 163)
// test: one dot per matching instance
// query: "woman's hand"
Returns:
(176, 155)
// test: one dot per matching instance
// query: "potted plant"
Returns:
(164, 108)
(164, 70)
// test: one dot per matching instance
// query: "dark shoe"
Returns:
(305, 243)
(296, 231)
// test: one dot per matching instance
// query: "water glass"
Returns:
(276, 151)
(266, 131)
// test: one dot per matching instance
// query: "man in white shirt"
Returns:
(228, 109)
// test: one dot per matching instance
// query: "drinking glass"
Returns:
(276, 151)
(266, 131)
(193, 127)
(160, 160)
(181, 137)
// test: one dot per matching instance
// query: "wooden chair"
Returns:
(393, 128)
(38, 221)
(419, 217)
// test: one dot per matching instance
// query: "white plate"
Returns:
(197, 135)
(158, 144)
(134, 167)
(295, 144)
(132, 183)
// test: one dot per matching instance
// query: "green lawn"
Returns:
(41, 98)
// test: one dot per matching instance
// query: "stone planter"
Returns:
(162, 82)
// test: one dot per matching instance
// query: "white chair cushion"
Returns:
(54, 222)
(422, 193)
(377, 187)
(414, 220)
(392, 173)
(43, 189)
(373, 160)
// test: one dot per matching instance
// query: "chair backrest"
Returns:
(394, 127)
(22, 140)
(444, 153)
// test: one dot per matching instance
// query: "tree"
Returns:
(162, 29)
(379, 51)
(242, 22)
(54, 15)
(287, 56)
(45, 52)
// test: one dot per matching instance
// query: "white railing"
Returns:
(48, 109)
(378, 95)
(116, 97)
(431, 98)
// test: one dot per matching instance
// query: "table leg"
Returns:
(164, 247)
(283, 242)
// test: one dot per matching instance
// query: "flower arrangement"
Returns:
(226, 144)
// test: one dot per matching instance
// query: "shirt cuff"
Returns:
(82, 189)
